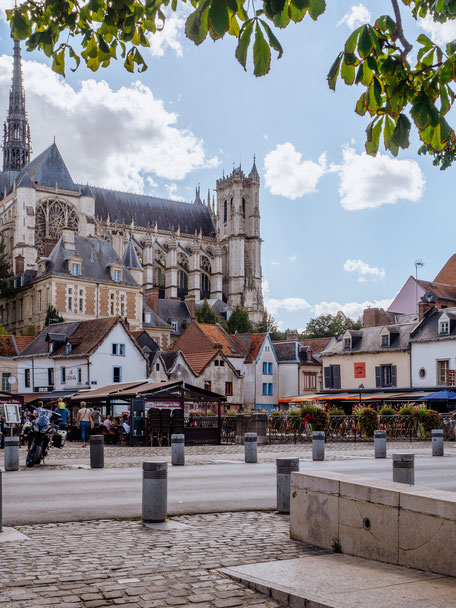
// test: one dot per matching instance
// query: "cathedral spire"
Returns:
(16, 130)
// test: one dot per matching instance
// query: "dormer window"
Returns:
(385, 340)
(75, 270)
(347, 343)
(116, 276)
(444, 327)
(68, 348)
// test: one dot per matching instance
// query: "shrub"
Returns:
(276, 413)
(196, 413)
(318, 417)
(368, 421)
(294, 413)
(336, 411)
(209, 413)
(387, 411)
(430, 419)
(406, 410)
(230, 413)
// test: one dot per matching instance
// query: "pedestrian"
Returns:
(96, 418)
(64, 413)
(85, 422)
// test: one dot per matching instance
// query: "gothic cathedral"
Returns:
(92, 252)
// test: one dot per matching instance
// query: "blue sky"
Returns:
(339, 230)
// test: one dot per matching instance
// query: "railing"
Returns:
(293, 429)
(228, 430)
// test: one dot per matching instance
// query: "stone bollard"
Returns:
(250, 447)
(1, 513)
(177, 450)
(11, 453)
(155, 491)
(437, 442)
(380, 444)
(285, 467)
(404, 468)
(96, 443)
(318, 445)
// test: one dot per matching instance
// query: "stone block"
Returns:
(314, 518)
(371, 490)
(438, 503)
(427, 542)
(326, 483)
(369, 530)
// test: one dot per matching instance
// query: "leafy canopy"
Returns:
(52, 316)
(205, 314)
(269, 325)
(239, 321)
(328, 326)
(376, 57)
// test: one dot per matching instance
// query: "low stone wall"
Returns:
(379, 520)
(252, 423)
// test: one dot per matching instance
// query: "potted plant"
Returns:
(368, 421)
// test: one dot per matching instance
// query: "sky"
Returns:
(341, 230)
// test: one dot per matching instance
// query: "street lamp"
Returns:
(360, 388)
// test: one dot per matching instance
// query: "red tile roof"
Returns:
(249, 344)
(10, 346)
(22, 342)
(198, 361)
(448, 273)
(443, 292)
(217, 335)
(317, 345)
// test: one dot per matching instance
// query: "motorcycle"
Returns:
(41, 434)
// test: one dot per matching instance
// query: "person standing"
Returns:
(64, 413)
(96, 419)
(85, 422)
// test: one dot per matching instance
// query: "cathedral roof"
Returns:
(145, 210)
(130, 257)
(47, 169)
(96, 256)
(254, 170)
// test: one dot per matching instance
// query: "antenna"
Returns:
(418, 264)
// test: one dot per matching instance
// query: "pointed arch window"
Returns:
(182, 276)
(205, 278)
(243, 207)
(225, 211)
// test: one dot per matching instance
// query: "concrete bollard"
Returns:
(437, 442)
(404, 468)
(11, 453)
(318, 445)
(380, 444)
(285, 467)
(177, 450)
(155, 491)
(250, 447)
(1, 513)
(96, 451)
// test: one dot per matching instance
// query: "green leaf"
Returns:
(361, 105)
(402, 131)
(388, 131)
(347, 72)
(272, 39)
(261, 54)
(316, 8)
(350, 45)
(58, 65)
(365, 43)
(334, 72)
(425, 41)
(244, 42)
(196, 26)
(218, 17)
(421, 111)
(373, 132)
(20, 26)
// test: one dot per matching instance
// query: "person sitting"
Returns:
(126, 425)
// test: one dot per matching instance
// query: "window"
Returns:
(75, 269)
(347, 343)
(444, 327)
(386, 375)
(265, 367)
(270, 369)
(265, 388)
(216, 362)
(228, 389)
(225, 212)
(117, 374)
(122, 305)
(175, 326)
(68, 348)
(118, 349)
(385, 340)
(332, 376)
(310, 381)
(111, 304)
(442, 371)
(116, 276)
(40, 301)
(157, 367)
(62, 375)
(207, 385)
(243, 208)
(79, 375)
(270, 387)
(27, 378)
(81, 300)
(70, 299)
(50, 376)
(222, 363)
(5, 382)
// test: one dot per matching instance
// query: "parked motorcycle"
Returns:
(41, 434)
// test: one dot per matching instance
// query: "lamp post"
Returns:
(360, 388)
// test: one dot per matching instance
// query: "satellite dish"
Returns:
(12, 379)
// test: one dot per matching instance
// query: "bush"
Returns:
(294, 413)
(336, 411)
(196, 413)
(406, 410)
(276, 413)
(387, 411)
(368, 421)
(430, 419)
(317, 417)
(230, 413)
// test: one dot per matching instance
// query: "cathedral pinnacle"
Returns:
(16, 131)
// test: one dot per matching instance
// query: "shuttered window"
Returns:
(332, 376)
(385, 376)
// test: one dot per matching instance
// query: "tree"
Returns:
(3, 331)
(6, 289)
(328, 326)
(269, 325)
(375, 56)
(239, 322)
(205, 314)
(52, 316)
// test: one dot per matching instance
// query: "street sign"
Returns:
(12, 413)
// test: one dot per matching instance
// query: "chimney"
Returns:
(151, 297)
(49, 245)
(19, 264)
(190, 302)
(292, 335)
(423, 308)
(68, 239)
(218, 346)
(374, 317)
(309, 354)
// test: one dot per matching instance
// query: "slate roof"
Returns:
(174, 310)
(144, 340)
(286, 351)
(130, 257)
(155, 320)
(40, 346)
(370, 341)
(96, 256)
(428, 329)
(144, 210)
(169, 358)
(218, 306)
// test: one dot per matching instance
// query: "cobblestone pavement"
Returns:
(121, 563)
(73, 455)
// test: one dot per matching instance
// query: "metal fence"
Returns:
(293, 429)
(228, 430)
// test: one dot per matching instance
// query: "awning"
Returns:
(52, 396)
(379, 396)
(107, 391)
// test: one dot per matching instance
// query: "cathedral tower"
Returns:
(238, 225)
(16, 131)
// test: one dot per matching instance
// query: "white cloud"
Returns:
(286, 174)
(118, 138)
(358, 15)
(352, 309)
(363, 269)
(171, 36)
(275, 263)
(172, 193)
(5, 4)
(440, 33)
(293, 258)
(273, 305)
(367, 182)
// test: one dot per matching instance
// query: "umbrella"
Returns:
(439, 396)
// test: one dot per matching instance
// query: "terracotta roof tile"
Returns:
(198, 361)
(217, 335)
(7, 347)
(317, 345)
(448, 273)
(22, 342)
(443, 292)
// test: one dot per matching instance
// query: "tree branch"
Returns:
(400, 31)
